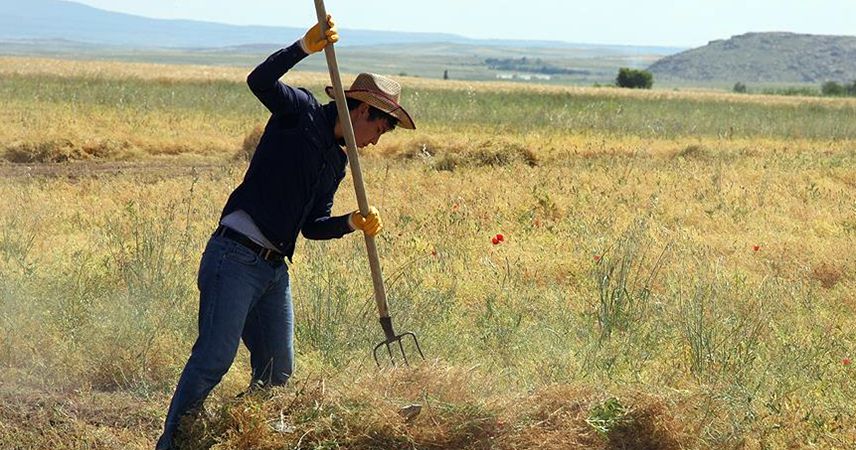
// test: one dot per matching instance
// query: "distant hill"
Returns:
(30, 20)
(65, 29)
(764, 58)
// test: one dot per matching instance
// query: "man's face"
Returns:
(367, 131)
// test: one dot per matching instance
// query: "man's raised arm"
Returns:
(264, 81)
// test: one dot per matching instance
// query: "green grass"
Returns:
(230, 104)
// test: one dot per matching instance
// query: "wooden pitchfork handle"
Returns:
(354, 159)
(362, 201)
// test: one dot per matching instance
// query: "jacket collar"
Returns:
(330, 114)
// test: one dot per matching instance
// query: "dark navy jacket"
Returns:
(297, 166)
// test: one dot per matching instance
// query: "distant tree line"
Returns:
(827, 89)
(525, 64)
(834, 89)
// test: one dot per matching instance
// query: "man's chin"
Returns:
(342, 144)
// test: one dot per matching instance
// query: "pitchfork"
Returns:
(391, 338)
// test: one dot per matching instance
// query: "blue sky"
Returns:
(688, 23)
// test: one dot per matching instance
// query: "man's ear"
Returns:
(364, 109)
(359, 111)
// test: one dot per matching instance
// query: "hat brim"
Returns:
(380, 102)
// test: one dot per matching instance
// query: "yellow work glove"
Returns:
(313, 41)
(371, 224)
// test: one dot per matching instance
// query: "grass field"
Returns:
(677, 269)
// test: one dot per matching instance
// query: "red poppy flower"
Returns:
(500, 237)
(846, 361)
(596, 258)
(755, 248)
(494, 240)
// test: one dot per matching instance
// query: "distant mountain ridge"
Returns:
(774, 57)
(33, 20)
(57, 19)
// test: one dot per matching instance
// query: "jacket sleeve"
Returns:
(320, 226)
(278, 97)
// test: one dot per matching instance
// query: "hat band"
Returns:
(378, 93)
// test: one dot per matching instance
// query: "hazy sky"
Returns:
(687, 23)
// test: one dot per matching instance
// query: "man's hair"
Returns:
(374, 113)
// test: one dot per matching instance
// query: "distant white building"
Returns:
(524, 77)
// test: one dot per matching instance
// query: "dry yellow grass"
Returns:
(739, 339)
(211, 125)
(110, 69)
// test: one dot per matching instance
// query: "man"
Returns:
(288, 189)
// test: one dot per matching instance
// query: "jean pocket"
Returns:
(242, 255)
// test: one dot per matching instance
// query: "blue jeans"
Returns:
(241, 296)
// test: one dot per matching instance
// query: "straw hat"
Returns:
(380, 92)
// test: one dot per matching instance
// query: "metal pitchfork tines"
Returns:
(362, 199)
(392, 339)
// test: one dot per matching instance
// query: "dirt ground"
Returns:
(78, 169)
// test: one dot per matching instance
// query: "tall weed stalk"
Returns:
(625, 278)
